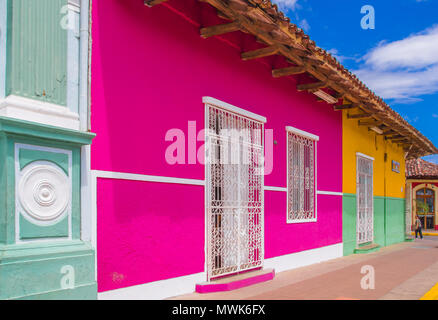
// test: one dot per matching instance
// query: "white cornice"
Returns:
(38, 111)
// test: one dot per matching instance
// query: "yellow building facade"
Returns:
(373, 187)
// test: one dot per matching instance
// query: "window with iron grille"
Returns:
(301, 179)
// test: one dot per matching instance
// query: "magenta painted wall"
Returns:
(148, 232)
(150, 70)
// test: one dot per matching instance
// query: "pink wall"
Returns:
(148, 232)
(150, 70)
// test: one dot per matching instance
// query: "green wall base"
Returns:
(367, 249)
(85, 292)
(389, 222)
(53, 270)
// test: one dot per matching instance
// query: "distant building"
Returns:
(421, 188)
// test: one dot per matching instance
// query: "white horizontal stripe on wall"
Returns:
(186, 284)
(197, 182)
(304, 258)
(330, 193)
(282, 189)
(157, 290)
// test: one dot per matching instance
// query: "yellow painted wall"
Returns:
(359, 139)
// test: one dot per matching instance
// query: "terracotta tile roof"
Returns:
(419, 168)
(270, 26)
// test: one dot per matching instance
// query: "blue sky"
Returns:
(398, 59)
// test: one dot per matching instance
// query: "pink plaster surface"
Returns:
(150, 70)
(234, 285)
(147, 232)
(282, 238)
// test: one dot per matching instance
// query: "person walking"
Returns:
(418, 227)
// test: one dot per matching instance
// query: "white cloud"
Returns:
(304, 25)
(286, 4)
(405, 69)
(432, 158)
(335, 53)
(416, 51)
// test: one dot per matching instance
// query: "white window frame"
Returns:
(209, 101)
(315, 139)
(364, 156)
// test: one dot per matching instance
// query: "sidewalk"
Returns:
(402, 271)
(428, 233)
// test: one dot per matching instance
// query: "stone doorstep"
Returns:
(372, 247)
(236, 281)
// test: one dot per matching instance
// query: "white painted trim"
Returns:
(329, 193)
(358, 154)
(186, 284)
(282, 189)
(94, 217)
(3, 36)
(302, 133)
(292, 221)
(123, 176)
(427, 185)
(315, 162)
(84, 64)
(241, 113)
(74, 5)
(86, 194)
(318, 192)
(361, 155)
(73, 59)
(38, 111)
(234, 109)
(18, 208)
(147, 178)
(305, 258)
(156, 290)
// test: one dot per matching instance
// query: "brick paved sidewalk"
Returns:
(402, 271)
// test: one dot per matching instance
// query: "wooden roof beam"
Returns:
(376, 130)
(389, 132)
(404, 139)
(260, 53)
(394, 136)
(312, 86)
(369, 123)
(217, 30)
(345, 106)
(359, 116)
(289, 71)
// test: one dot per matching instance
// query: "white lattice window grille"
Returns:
(365, 215)
(301, 176)
(234, 191)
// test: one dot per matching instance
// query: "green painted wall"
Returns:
(36, 269)
(395, 220)
(28, 230)
(385, 232)
(349, 223)
(37, 50)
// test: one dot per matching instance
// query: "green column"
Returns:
(42, 255)
(37, 50)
